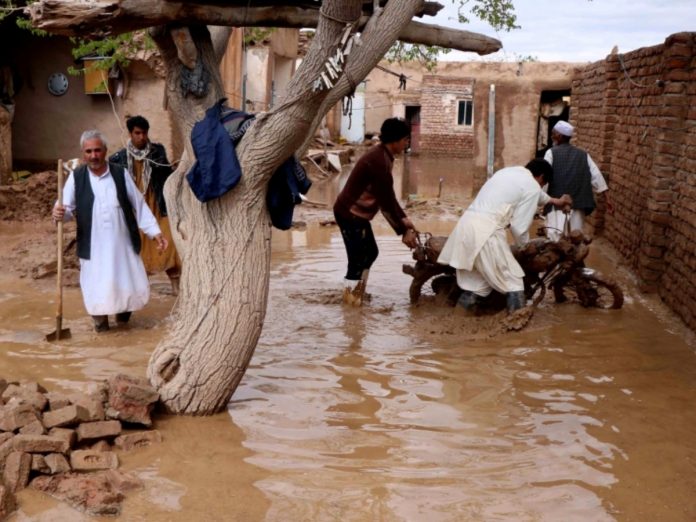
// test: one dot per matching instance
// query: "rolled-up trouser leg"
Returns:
(360, 243)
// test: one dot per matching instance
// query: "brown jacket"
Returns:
(370, 188)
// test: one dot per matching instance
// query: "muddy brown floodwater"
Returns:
(394, 412)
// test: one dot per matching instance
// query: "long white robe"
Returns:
(113, 280)
(478, 246)
(556, 218)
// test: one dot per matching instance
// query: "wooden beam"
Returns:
(101, 18)
(458, 39)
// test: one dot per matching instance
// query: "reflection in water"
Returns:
(431, 177)
(361, 415)
(393, 412)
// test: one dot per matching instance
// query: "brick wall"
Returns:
(440, 133)
(635, 113)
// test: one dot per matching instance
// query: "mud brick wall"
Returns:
(440, 133)
(635, 113)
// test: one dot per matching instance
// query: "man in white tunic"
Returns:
(109, 210)
(478, 246)
(574, 173)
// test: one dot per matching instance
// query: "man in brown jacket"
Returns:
(369, 189)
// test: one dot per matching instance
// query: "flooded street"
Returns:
(396, 412)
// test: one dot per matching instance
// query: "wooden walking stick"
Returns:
(60, 333)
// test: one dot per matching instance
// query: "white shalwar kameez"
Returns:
(113, 280)
(478, 247)
(556, 218)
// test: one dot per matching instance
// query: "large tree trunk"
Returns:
(225, 244)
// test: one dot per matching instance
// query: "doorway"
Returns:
(553, 106)
(413, 119)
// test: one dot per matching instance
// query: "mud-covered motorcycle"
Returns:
(559, 266)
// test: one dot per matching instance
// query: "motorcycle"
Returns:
(556, 265)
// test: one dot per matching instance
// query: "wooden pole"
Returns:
(59, 256)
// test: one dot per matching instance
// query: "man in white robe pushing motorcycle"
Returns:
(478, 248)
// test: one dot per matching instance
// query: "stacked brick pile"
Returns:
(634, 114)
(439, 132)
(65, 444)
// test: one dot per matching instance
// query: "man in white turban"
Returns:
(574, 173)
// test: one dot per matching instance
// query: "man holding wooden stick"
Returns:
(109, 210)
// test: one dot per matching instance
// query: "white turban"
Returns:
(564, 128)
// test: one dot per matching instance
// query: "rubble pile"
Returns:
(29, 199)
(325, 158)
(67, 444)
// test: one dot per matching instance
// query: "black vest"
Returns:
(571, 175)
(84, 201)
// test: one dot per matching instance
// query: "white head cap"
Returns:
(564, 128)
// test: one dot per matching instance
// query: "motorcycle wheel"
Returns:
(445, 289)
(594, 290)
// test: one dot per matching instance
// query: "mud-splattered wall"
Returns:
(635, 113)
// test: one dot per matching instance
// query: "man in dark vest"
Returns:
(109, 210)
(574, 173)
(147, 163)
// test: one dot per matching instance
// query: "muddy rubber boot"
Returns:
(468, 300)
(101, 323)
(515, 301)
(123, 318)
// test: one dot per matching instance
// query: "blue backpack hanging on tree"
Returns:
(217, 169)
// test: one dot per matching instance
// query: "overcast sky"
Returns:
(579, 30)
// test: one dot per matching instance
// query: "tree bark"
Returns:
(225, 243)
(377, 38)
(108, 17)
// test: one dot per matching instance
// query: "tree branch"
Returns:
(376, 40)
(220, 35)
(106, 17)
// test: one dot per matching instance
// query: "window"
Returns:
(465, 112)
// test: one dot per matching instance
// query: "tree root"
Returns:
(167, 366)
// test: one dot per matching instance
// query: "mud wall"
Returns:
(518, 95)
(635, 114)
(46, 127)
